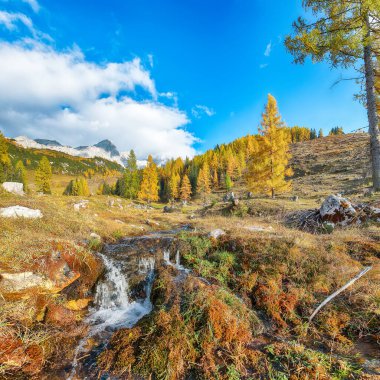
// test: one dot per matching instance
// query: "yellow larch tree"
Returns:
(5, 161)
(203, 181)
(149, 185)
(174, 183)
(43, 176)
(268, 167)
(185, 192)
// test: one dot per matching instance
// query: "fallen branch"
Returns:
(340, 290)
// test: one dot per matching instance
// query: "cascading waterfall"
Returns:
(113, 308)
(177, 264)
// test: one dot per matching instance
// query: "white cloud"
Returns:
(59, 95)
(33, 4)
(171, 96)
(199, 110)
(12, 20)
(268, 49)
(264, 65)
(151, 60)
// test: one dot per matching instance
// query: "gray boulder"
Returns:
(337, 210)
(229, 197)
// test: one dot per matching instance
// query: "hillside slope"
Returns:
(331, 164)
(62, 163)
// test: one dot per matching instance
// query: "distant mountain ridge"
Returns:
(109, 147)
(47, 142)
(103, 149)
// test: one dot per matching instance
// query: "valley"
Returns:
(241, 309)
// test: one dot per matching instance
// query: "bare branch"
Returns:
(340, 290)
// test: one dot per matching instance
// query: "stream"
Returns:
(122, 295)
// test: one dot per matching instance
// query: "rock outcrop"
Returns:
(335, 211)
(20, 212)
(14, 188)
(342, 212)
(22, 281)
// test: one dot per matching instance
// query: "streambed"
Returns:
(123, 294)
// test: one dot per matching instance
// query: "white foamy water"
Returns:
(177, 264)
(113, 308)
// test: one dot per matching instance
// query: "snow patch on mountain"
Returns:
(84, 151)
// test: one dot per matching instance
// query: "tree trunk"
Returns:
(372, 114)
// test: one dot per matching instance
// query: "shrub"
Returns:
(77, 187)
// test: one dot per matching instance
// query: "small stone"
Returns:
(229, 197)
(169, 209)
(82, 204)
(216, 233)
(95, 236)
(56, 255)
(152, 223)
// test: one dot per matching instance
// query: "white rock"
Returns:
(333, 203)
(20, 212)
(81, 204)
(95, 236)
(216, 233)
(14, 188)
(23, 280)
(338, 210)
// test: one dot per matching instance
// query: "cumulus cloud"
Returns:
(199, 110)
(268, 49)
(60, 95)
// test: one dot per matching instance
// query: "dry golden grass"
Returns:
(259, 227)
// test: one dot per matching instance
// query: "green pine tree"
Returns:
(228, 182)
(20, 174)
(128, 185)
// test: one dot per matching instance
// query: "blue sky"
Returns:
(211, 58)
